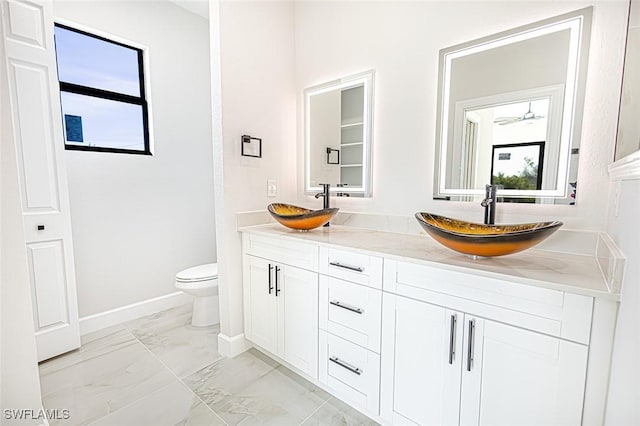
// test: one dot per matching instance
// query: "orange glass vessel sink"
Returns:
(299, 218)
(476, 239)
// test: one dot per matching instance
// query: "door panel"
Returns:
(262, 303)
(297, 299)
(425, 385)
(48, 277)
(521, 377)
(37, 131)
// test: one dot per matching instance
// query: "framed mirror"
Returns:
(510, 112)
(338, 135)
(627, 150)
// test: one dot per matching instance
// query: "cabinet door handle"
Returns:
(346, 365)
(347, 307)
(452, 339)
(351, 268)
(277, 286)
(472, 327)
(270, 286)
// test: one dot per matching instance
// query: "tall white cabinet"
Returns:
(37, 130)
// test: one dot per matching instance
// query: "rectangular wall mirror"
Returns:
(628, 137)
(510, 112)
(338, 135)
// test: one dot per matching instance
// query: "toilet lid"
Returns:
(198, 273)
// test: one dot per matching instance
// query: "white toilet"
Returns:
(202, 283)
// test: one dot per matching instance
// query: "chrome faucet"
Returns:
(325, 195)
(489, 204)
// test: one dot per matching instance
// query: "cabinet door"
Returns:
(37, 130)
(421, 362)
(261, 321)
(297, 297)
(520, 377)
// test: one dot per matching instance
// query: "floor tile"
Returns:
(96, 344)
(100, 382)
(161, 322)
(253, 389)
(183, 348)
(337, 413)
(173, 404)
(229, 376)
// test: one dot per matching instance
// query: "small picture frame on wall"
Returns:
(251, 147)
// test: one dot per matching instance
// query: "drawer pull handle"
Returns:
(270, 285)
(343, 364)
(452, 339)
(40, 227)
(351, 268)
(347, 307)
(472, 327)
(277, 286)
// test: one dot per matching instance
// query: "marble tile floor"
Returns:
(160, 370)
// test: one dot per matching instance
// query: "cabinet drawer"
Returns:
(552, 312)
(351, 311)
(293, 253)
(351, 371)
(355, 267)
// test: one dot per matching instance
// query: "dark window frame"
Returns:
(520, 145)
(112, 96)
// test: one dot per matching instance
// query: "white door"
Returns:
(518, 377)
(297, 295)
(262, 327)
(37, 129)
(421, 361)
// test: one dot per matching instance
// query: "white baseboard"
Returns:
(232, 346)
(119, 315)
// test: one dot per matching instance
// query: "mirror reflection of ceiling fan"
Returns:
(527, 116)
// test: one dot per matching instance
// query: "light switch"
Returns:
(272, 188)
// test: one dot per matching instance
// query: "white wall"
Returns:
(19, 379)
(253, 73)
(137, 220)
(624, 389)
(401, 41)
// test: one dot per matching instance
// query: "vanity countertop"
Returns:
(549, 269)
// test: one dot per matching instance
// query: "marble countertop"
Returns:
(543, 268)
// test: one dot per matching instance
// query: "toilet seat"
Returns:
(199, 273)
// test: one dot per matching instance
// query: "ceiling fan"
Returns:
(527, 116)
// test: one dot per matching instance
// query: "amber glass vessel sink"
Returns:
(476, 239)
(299, 218)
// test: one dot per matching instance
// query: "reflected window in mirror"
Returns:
(338, 123)
(523, 87)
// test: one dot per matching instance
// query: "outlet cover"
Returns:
(272, 188)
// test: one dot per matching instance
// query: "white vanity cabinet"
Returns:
(410, 341)
(281, 301)
(447, 359)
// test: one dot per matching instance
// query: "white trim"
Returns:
(627, 168)
(233, 346)
(119, 315)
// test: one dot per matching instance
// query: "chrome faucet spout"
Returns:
(489, 204)
(325, 195)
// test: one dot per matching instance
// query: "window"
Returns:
(102, 93)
